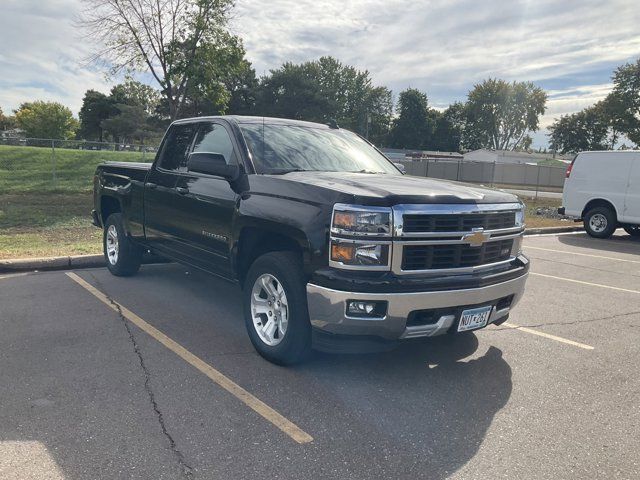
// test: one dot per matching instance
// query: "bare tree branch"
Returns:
(158, 36)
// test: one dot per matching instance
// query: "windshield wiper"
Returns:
(367, 171)
(282, 171)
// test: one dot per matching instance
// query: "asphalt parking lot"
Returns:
(154, 377)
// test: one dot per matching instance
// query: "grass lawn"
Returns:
(47, 225)
(31, 169)
(533, 220)
(59, 224)
(41, 218)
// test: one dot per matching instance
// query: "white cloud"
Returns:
(442, 47)
(42, 54)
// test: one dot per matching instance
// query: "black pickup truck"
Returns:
(335, 249)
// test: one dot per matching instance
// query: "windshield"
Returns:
(287, 148)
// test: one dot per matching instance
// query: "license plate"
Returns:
(474, 318)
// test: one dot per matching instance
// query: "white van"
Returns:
(603, 189)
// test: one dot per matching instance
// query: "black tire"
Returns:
(633, 230)
(126, 261)
(295, 344)
(593, 222)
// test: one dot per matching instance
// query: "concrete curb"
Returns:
(62, 263)
(87, 261)
(52, 263)
(541, 231)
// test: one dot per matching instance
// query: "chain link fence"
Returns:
(41, 165)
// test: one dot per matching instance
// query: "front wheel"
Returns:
(600, 222)
(275, 308)
(633, 230)
(123, 257)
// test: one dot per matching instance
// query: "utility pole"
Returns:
(368, 122)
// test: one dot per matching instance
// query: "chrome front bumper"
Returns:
(327, 309)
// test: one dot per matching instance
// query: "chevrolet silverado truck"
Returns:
(334, 248)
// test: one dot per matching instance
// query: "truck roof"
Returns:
(238, 119)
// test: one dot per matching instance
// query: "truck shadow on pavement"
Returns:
(425, 402)
(617, 243)
(422, 410)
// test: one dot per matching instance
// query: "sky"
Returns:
(569, 48)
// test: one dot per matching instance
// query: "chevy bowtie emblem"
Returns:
(477, 238)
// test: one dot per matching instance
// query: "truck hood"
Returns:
(396, 189)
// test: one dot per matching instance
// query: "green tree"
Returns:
(129, 124)
(584, 130)
(96, 107)
(500, 114)
(623, 103)
(46, 120)
(293, 91)
(448, 129)
(415, 124)
(222, 80)
(323, 90)
(168, 39)
(378, 108)
(6, 123)
(134, 93)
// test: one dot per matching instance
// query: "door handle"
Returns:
(182, 190)
(151, 185)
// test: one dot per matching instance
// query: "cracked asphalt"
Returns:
(86, 394)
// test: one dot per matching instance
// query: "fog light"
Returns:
(361, 308)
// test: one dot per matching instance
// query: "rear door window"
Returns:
(176, 147)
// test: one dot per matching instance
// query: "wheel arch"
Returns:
(256, 240)
(109, 205)
(599, 202)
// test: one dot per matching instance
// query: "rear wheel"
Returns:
(123, 257)
(275, 308)
(600, 222)
(633, 230)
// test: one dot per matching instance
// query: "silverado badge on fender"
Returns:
(215, 236)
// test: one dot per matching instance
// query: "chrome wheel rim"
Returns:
(112, 244)
(269, 309)
(598, 223)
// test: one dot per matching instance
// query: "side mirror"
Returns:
(400, 167)
(212, 164)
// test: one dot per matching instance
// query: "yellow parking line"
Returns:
(582, 254)
(230, 386)
(12, 275)
(585, 283)
(549, 336)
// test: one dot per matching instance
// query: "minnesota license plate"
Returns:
(474, 318)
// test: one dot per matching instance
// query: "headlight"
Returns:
(361, 221)
(362, 254)
(520, 217)
(348, 249)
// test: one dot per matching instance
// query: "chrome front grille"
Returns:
(418, 223)
(454, 238)
(427, 257)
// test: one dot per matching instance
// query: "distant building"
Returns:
(12, 133)
(395, 154)
(507, 156)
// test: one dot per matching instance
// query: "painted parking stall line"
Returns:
(548, 336)
(582, 282)
(581, 254)
(257, 405)
(13, 275)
